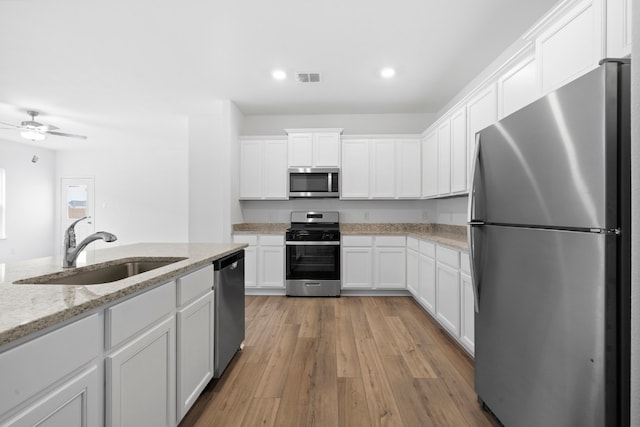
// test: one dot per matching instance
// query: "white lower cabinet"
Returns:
(413, 266)
(194, 351)
(448, 297)
(357, 267)
(264, 260)
(467, 308)
(141, 379)
(373, 262)
(427, 290)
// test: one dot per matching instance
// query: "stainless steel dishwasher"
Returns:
(228, 289)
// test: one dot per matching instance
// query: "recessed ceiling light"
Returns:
(387, 73)
(279, 75)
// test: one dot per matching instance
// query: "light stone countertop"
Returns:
(26, 308)
(454, 236)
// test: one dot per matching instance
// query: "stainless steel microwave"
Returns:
(314, 183)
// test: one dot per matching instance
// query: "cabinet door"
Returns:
(430, 165)
(571, 47)
(389, 268)
(326, 149)
(408, 168)
(74, 404)
(141, 380)
(357, 268)
(444, 158)
(413, 272)
(448, 297)
(251, 169)
(355, 169)
(427, 291)
(250, 267)
(271, 266)
(518, 86)
(275, 170)
(467, 313)
(459, 151)
(482, 111)
(194, 351)
(619, 28)
(301, 150)
(384, 169)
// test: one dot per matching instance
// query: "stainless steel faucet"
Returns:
(71, 252)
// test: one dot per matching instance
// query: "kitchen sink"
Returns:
(110, 271)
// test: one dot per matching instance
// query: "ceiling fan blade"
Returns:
(70, 135)
(9, 124)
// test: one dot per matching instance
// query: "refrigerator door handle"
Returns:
(471, 223)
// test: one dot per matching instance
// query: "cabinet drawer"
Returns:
(391, 241)
(195, 284)
(448, 256)
(361, 241)
(36, 364)
(413, 243)
(464, 262)
(249, 239)
(129, 317)
(271, 240)
(428, 248)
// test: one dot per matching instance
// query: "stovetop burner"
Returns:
(314, 226)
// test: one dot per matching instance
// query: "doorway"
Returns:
(77, 201)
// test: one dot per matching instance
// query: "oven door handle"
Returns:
(330, 243)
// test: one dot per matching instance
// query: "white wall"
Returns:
(635, 227)
(213, 174)
(30, 200)
(353, 124)
(140, 194)
(447, 211)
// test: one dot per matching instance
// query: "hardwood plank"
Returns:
(275, 373)
(352, 403)
(263, 413)
(380, 400)
(416, 360)
(346, 352)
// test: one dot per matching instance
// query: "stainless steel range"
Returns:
(313, 254)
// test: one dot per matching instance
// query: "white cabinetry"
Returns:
(482, 111)
(355, 172)
(389, 261)
(264, 260)
(467, 305)
(619, 28)
(413, 266)
(32, 389)
(444, 157)
(383, 169)
(314, 147)
(571, 46)
(408, 170)
(357, 262)
(195, 339)
(518, 86)
(430, 164)
(448, 289)
(263, 169)
(427, 290)
(459, 151)
(140, 372)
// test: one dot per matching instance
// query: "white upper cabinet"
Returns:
(482, 111)
(444, 157)
(518, 86)
(355, 169)
(459, 151)
(408, 168)
(263, 169)
(383, 168)
(618, 28)
(314, 147)
(571, 46)
(430, 165)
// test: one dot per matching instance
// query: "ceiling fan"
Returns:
(30, 129)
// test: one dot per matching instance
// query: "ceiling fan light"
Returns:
(33, 135)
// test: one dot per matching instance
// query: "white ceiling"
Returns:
(125, 63)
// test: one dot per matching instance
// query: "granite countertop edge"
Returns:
(29, 308)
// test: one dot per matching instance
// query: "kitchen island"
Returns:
(135, 351)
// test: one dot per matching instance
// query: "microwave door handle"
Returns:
(329, 182)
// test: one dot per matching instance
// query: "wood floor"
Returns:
(349, 361)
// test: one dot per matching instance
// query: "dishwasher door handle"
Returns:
(233, 266)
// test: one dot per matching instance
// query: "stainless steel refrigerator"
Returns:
(549, 236)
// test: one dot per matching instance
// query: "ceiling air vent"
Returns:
(308, 77)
